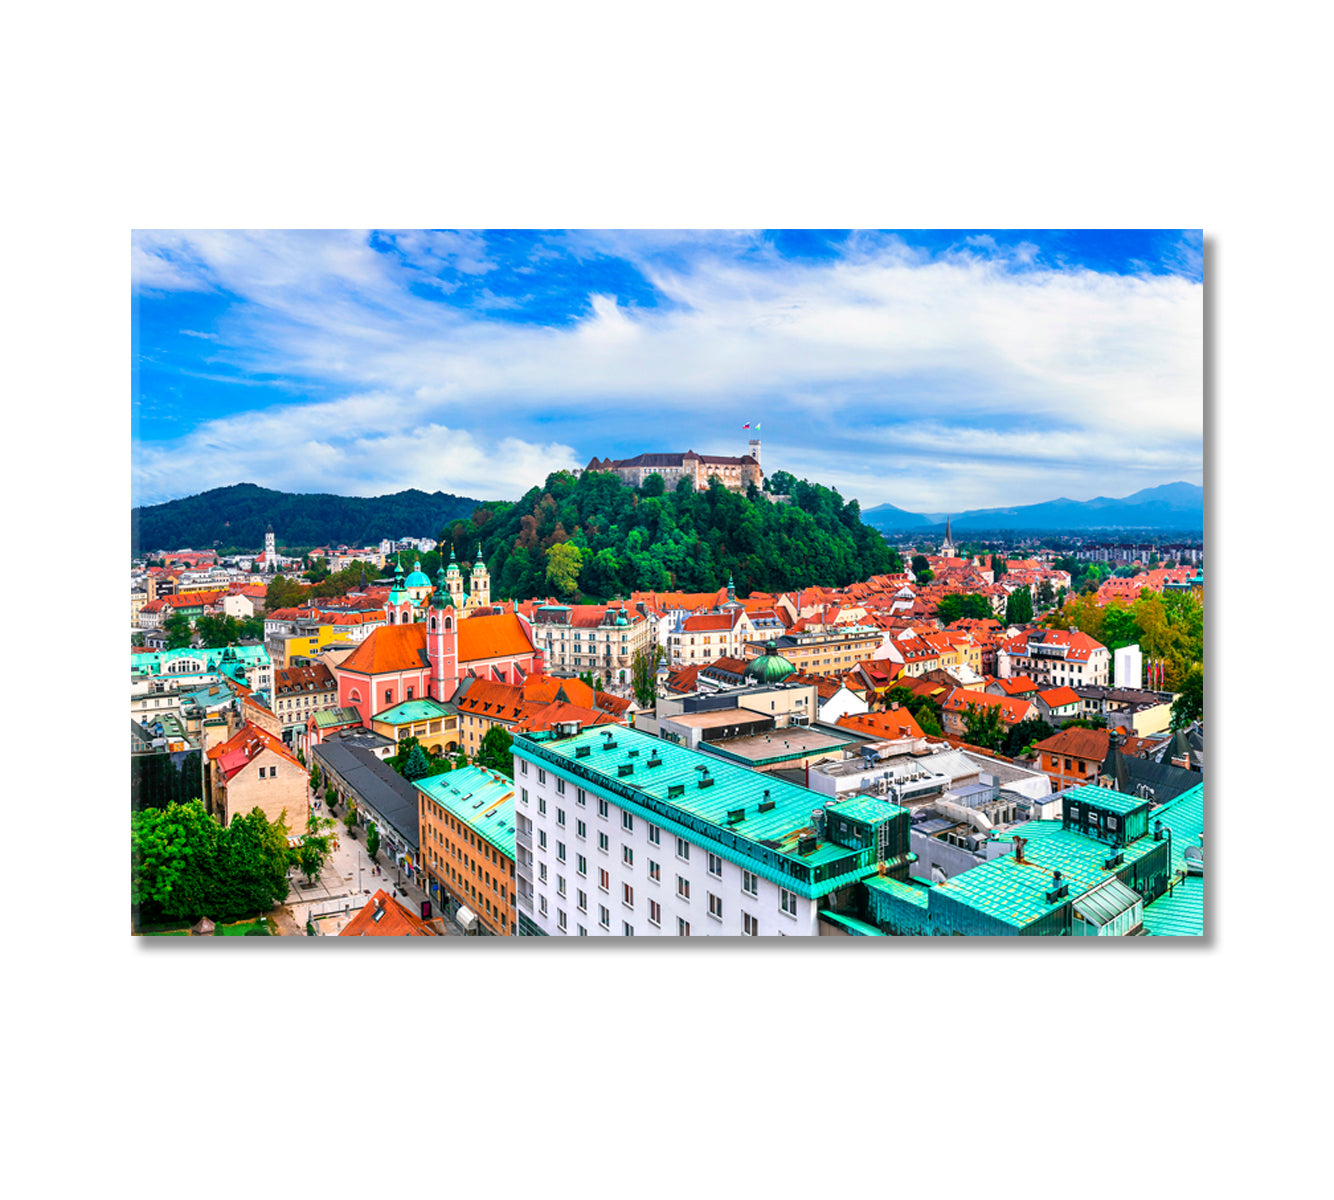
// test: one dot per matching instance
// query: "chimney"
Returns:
(1019, 844)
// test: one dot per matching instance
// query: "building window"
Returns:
(655, 835)
(715, 906)
(787, 901)
(682, 927)
(560, 851)
(541, 775)
(682, 849)
(627, 822)
(541, 872)
(715, 865)
(750, 925)
(683, 887)
(523, 767)
(604, 842)
(581, 864)
(541, 806)
(560, 885)
(602, 807)
(582, 900)
(604, 916)
(560, 786)
(542, 905)
(627, 856)
(523, 795)
(627, 895)
(582, 931)
(560, 919)
(654, 913)
(580, 829)
(654, 871)
(542, 839)
(560, 816)
(627, 929)
(579, 796)
(604, 879)
(750, 883)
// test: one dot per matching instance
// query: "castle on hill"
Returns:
(735, 474)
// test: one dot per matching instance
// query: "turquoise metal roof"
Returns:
(864, 808)
(851, 924)
(482, 799)
(670, 795)
(425, 709)
(157, 662)
(1104, 798)
(1184, 816)
(337, 716)
(1015, 893)
(911, 893)
(1179, 912)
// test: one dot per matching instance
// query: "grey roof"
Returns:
(1002, 772)
(1166, 780)
(382, 788)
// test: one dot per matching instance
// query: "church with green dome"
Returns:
(770, 667)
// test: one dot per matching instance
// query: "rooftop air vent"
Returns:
(674, 790)
(625, 769)
(582, 751)
(735, 814)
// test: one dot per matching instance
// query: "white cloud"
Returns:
(1112, 364)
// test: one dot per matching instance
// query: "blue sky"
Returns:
(934, 370)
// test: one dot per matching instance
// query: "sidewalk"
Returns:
(347, 883)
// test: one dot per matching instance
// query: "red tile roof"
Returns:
(1076, 743)
(244, 746)
(1058, 697)
(893, 723)
(1012, 710)
(403, 647)
(398, 920)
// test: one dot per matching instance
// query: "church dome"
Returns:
(770, 667)
(418, 578)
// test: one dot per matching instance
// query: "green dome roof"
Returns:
(418, 578)
(770, 667)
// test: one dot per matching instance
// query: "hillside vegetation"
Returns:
(594, 537)
(236, 517)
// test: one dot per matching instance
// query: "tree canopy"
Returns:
(958, 605)
(1168, 627)
(496, 751)
(636, 539)
(184, 865)
(1019, 607)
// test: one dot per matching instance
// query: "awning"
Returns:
(1106, 902)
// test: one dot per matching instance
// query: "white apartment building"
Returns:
(706, 637)
(621, 834)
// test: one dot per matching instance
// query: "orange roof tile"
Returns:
(397, 920)
(892, 723)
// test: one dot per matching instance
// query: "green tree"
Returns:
(1023, 734)
(958, 605)
(350, 819)
(563, 563)
(653, 485)
(417, 765)
(496, 751)
(998, 567)
(983, 726)
(1189, 704)
(372, 841)
(1046, 597)
(1019, 607)
(315, 846)
(283, 593)
(921, 569)
(177, 629)
(644, 675)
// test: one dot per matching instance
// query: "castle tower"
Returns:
(270, 551)
(441, 641)
(755, 451)
(479, 588)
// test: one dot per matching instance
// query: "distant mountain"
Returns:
(1175, 507)
(239, 515)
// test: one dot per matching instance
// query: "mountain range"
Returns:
(238, 516)
(1174, 507)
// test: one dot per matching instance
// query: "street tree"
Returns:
(1189, 704)
(177, 629)
(983, 726)
(315, 846)
(496, 751)
(1019, 607)
(644, 675)
(372, 841)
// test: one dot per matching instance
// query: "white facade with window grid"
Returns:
(639, 878)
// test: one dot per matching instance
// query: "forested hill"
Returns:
(597, 538)
(236, 517)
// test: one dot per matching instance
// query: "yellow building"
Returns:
(825, 653)
(434, 725)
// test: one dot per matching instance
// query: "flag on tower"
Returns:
(746, 425)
